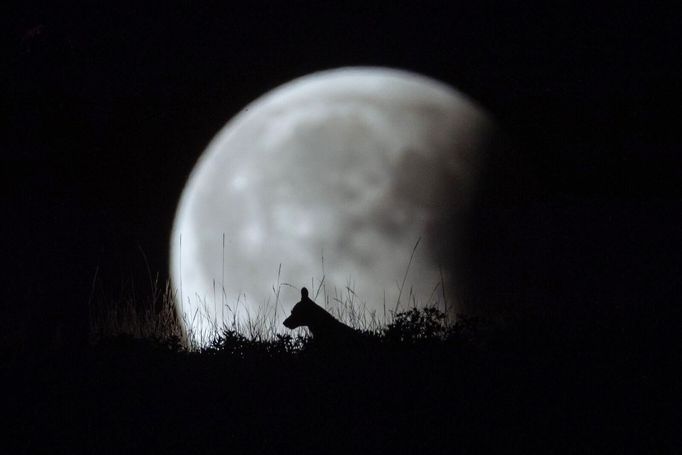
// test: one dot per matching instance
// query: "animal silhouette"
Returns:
(323, 326)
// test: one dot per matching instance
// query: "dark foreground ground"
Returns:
(517, 390)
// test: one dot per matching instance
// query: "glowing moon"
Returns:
(354, 164)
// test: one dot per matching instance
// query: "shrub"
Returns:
(417, 326)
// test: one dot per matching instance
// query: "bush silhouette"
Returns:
(417, 326)
(235, 344)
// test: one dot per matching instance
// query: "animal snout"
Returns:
(288, 323)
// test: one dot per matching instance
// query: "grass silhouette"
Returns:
(420, 382)
(159, 317)
(155, 318)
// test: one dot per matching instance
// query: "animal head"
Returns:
(302, 313)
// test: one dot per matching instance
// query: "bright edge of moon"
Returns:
(335, 177)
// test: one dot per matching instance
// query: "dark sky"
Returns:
(108, 107)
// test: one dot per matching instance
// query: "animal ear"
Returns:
(304, 293)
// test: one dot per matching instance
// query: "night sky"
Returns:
(108, 108)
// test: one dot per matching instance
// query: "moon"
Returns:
(354, 182)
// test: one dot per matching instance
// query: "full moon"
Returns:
(354, 182)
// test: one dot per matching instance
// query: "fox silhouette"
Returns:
(323, 326)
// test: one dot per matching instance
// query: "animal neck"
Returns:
(321, 322)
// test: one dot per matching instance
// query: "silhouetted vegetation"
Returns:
(420, 384)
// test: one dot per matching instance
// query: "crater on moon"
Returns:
(355, 165)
